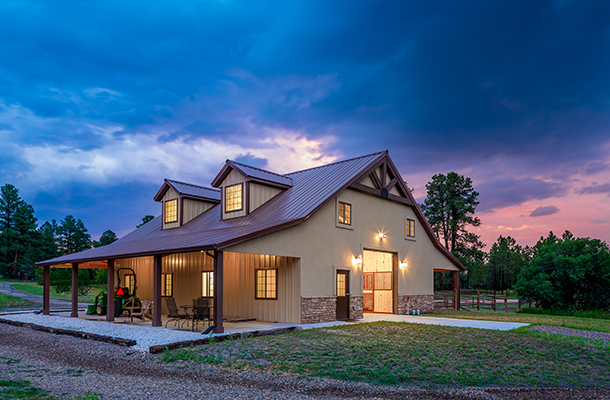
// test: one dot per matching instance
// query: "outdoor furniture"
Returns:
(173, 313)
(202, 310)
(145, 311)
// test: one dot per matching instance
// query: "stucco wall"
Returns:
(323, 247)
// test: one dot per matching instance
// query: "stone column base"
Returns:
(318, 309)
(355, 307)
(422, 302)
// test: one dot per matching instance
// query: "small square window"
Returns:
(233, 198)
(130, 282)
(409, 228)
(171, 211)
(345, 213)
(167, 285)
(207, 284)
(266, 284)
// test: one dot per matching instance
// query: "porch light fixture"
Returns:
(357, 261)
(403, 264)
(381, 235)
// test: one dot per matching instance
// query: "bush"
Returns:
(567, 274)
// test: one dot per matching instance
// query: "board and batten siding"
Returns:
(260, 194)
(234, 178)
(240, 287)
(239, 271)
(171, 194)
(193, 208)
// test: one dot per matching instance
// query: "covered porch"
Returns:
(242, 286)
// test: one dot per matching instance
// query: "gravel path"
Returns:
(7, 288)
(560, 330)
(68, 366)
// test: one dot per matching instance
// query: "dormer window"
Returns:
(171, 211)
(233, 197)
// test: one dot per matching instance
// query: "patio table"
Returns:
(194, 310)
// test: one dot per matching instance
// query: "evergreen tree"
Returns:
(145, 219)
(504, 263)
(106, 238)
(73, 236)
(25, 238)
(449, 207)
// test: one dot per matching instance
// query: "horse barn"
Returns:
(317, 245)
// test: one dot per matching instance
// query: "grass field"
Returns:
(36, 289)
(8, 301)
(417, 355)
(602, 325)
(21, 389)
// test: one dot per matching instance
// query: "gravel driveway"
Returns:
(68, 366)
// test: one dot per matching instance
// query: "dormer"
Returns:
(181, 202)
(244, 188)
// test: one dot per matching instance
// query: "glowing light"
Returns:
(381, 235)
(357, 261)
(403, 264)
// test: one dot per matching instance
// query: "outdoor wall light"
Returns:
(403, 264)
(357, 261)
(381, 235)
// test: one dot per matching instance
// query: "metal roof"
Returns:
(189, 190)
(311, 189)
(252, 173)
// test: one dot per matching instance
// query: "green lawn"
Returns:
(8, 301)
(36, 289)
(22, 389)
(602, 325)
(417, 355)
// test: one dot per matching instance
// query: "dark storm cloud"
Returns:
(596, 188)
(441, 83)
(507, 191)
(544, 210)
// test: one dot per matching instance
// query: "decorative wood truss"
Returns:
(383, 179)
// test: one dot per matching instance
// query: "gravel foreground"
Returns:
(67, 366)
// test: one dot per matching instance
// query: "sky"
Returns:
(102, 100)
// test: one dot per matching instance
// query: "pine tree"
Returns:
(73, 236)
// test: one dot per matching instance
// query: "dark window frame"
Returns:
(256, 297)
(242, 198)
(409, 228)
(164, 284)
(211, 287)
(339, 213)
(165, 221)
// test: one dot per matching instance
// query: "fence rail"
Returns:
(476, 300)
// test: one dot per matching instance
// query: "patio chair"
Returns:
(201, 311)
(144, 311)
(173, 313)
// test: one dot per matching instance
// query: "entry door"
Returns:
(342, 294)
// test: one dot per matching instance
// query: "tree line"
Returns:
(23, 243)
(557, 272)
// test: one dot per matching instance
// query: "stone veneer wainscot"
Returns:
(355, 307)
(422, 302)
(318, 309)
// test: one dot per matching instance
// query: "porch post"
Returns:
(110, 292)
(46, 290)
(456, 290)
(218, 297)
(74, 313)
(157, 306)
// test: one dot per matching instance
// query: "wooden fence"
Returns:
(476, 300)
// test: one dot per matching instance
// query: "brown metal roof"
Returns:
(255, 174)
(188, 190)
(311, 189)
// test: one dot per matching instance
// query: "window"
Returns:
(410, 228)
(207, 284)
(266, 284)
(233, 198)
(167, 285)
(345, 213)
(171, 211)
(130, 283)
(341, 284)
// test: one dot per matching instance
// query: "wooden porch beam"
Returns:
(157, 306)
(456, 290)
(110, 292)
(46, 290)
(74, 313)
(218, 292)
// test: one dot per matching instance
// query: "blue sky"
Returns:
(99, 101)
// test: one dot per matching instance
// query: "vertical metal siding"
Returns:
(193, 208)
(260, 194)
